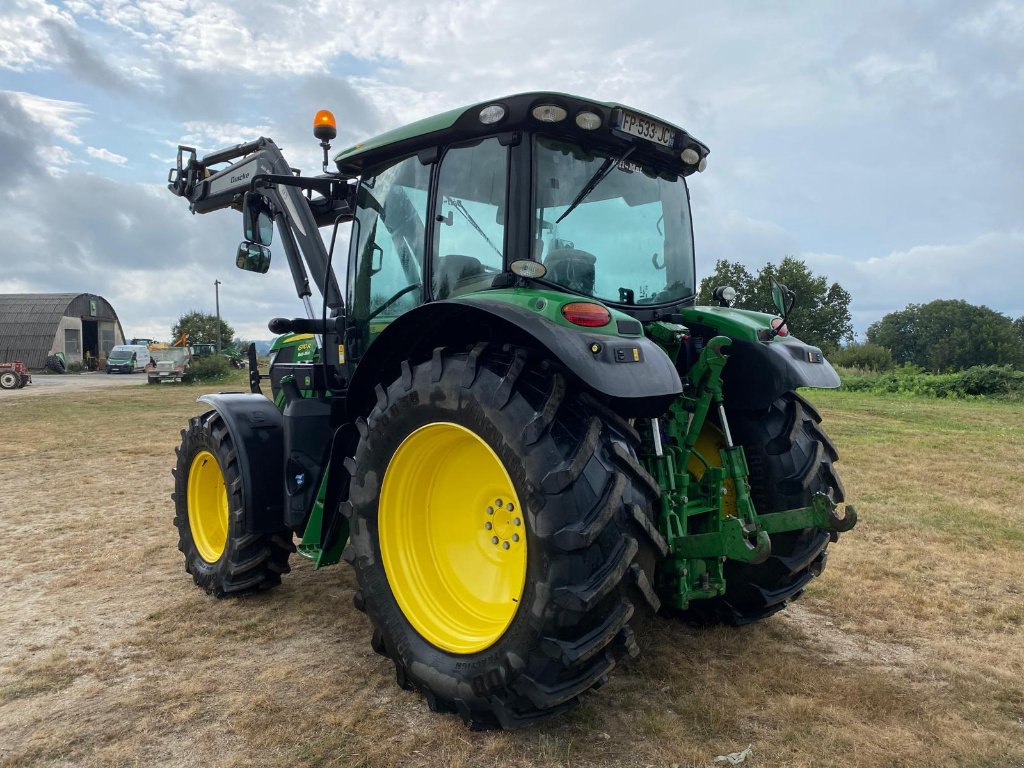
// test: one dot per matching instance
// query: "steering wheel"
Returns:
(392, 300)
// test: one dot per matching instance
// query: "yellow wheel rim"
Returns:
(207, 506)
(709, 443)
(452, 538)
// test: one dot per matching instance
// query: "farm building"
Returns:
(35, 325)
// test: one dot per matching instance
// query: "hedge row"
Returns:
(997, 381)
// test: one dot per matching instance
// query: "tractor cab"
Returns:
(580, 197)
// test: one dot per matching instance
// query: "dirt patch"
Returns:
(817, 632)
(48, 384)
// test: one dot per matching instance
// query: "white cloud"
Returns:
(1002, 20)
(61, 118)
(106, 155)
(14, 286)
(985, 270)
(25, 40)
(210, 136)
(877, 68)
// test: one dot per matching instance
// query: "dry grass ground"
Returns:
(909, 651)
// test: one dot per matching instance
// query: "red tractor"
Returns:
(14, 375)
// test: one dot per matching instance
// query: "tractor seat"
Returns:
(571, 268)
(455, 275)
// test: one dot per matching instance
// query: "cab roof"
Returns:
(464, 124)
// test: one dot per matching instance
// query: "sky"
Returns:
(880, 142)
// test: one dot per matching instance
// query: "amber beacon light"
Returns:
(325, 127)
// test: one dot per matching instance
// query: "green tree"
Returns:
(202, 327)
(868, 357)
(949, 335)
(1018, 326)
(821, 315)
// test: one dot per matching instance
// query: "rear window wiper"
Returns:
(597, 178)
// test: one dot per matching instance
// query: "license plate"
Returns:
(645, 128)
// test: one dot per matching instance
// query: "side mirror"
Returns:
(257, 225)
(253, 257)
(782, 298)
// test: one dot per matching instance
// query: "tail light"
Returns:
(586, 314)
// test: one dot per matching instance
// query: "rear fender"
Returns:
(256, 428)
(631, 372)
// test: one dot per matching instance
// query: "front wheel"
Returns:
(9, 380)
(223, 558)
(501, 535)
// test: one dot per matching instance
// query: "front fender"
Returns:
(632, 372)
(760, 372)
(256, 429)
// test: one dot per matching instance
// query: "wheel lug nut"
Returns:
(494, 539)
(488, 525)
(497, 503)
(490, 510)
(511, 507)
(504, 545)
(517, 521)
(515, 537)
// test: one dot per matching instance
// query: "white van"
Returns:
(128, 358)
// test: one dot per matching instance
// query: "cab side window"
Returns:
(469, 239)
(386, 264)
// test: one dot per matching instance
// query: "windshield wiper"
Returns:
(597, 178)
(461, 208)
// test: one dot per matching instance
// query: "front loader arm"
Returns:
(260, 165)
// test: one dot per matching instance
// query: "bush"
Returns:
(980, 381)
(74, 368)
(207, 369)
(865, 357)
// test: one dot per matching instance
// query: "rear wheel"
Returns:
(500, 533)
(9, 380)
(221, 556)
(790, 460)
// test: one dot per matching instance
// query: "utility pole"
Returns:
(216, 289)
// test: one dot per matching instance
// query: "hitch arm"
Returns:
(822, 514)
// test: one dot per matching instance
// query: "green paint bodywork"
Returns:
(309, 547)
(304, 344)
(548, 304)
(738, 324)
(413, 130)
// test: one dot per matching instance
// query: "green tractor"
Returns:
(514, 422)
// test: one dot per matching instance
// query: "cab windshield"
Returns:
(627, 241)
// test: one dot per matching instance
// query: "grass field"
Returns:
(909, 651)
